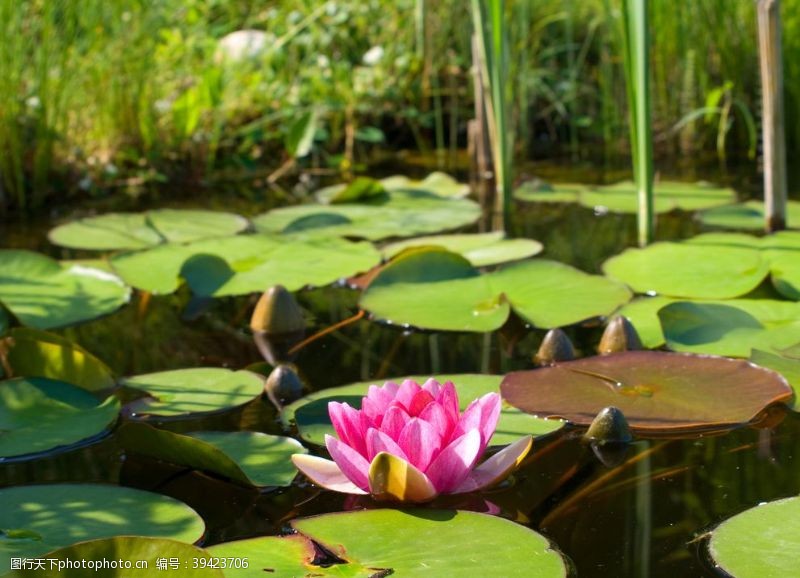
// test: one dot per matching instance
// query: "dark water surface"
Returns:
(644, 518)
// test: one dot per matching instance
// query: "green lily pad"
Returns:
(62, 514)
(435, 289)
(762, 542)
(251, 458)
(479, 249)
(149, 553)
(421, 543)
(365, 188)
(34, 353)
(668, 195)
(310, 413)
(114, 231)
(45, 294)
(401, 214)
(38, 414)
(659, 392)
(689, 270)
(788, 367)
(731, 328)
(749, 215)
(537, 191)
(642, 312)
(244, 264)
(195, 390)
(280, 556)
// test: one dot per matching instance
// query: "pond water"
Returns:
(644, 518)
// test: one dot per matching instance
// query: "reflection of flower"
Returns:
(412, 443)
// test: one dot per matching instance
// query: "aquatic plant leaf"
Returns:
(788, 367)
(35, 353)
(38, 415)
(479, 249)
(668, 196)
(403, 213)
(248, 457)
(762, 542)
(244, 264)
(43, 293)
(689, 270)
(749, 215)
(362, 189)
(62, 514)
(5, 322)
(436, 183)
(435, 289)
(422, 543)
(193, 562)
(310, 413)
(194, 390)
(731, 328)
(537, 191)
(658, 392)
(114, 231)
(643, 313)
(300, 137)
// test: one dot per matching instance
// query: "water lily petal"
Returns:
(436, 415)
(496, 468)
(378, 442)
(350, 424)
(419, 402)
(448, 398)
(482, 414)
(420, 442)
(408, 389)
(432, 386)
(452, 465)
(352, 463)
(325, 473)
(377, 400)
(392, 478)
(394, 421)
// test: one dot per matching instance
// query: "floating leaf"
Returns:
(62, 514)
(788, 367)
(34, 353)
(38, 414)
(401, 214)
(192, 562)
(195, 390)
(731, 328)
(687, 270)
(762, 542)
(749, 215)
(643, 313)
(438, 183)
(479, 249)
(538, 191)
(281, 556)
(114, 231)
(251, 458)
(244, 264)
(45, 294)
(658, 392)
(311, 412)
(435, 289)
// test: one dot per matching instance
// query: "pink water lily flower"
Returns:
(411, 443)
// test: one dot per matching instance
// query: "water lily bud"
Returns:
(555, 347)
(609, 426)
(277, 324)
(620, 335)
(283, 386)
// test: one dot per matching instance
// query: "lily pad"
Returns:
(537, 191)
(749, 215)
(365, 188)
(279, 556)
(34, 353)
(762, 542)
(244, 264)
(187, 560)
(731, 328)
(195, 390)
(115, 231)
(38, 414)
(643, 314)
(689, 270)
(401, 214)
(788, 367)
(45, 294)
(56, 515)
(668, 195)
(659, 392)
(435, 289)
(479, 249)
(310, 413)
(251, 458)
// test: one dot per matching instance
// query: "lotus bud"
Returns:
(555, 347)
(277, 324)
(283, 386)
(609, 426)
(620, 335)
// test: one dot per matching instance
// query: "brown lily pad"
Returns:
(659, 392)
